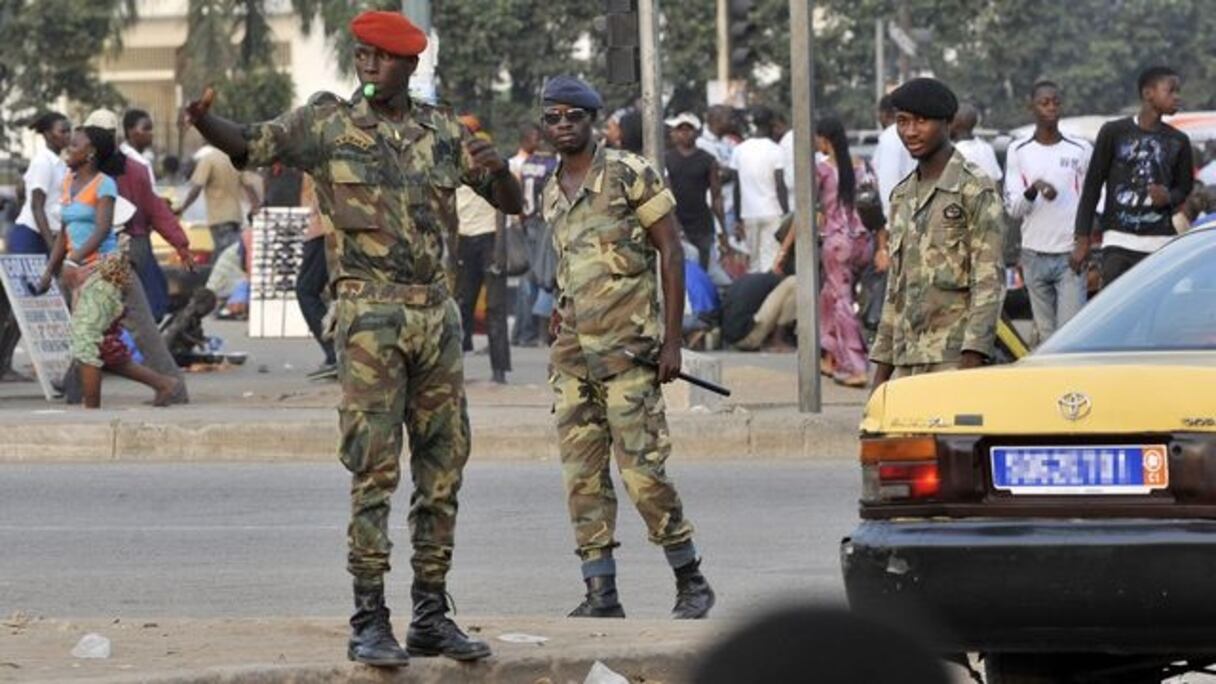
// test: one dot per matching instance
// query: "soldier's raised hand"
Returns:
(485, 155)
(197, 109)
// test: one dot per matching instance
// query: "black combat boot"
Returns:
(694, 597)
(371, 639)
(601, 600)
(433, 633)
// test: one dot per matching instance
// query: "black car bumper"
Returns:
(1136, 586)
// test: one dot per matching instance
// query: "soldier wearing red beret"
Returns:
(386, 169)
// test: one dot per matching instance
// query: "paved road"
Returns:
(269, 540)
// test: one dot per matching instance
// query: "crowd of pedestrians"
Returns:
(732, 175)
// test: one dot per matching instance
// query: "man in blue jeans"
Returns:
(1044, 175)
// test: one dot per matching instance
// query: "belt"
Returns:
(417, 296)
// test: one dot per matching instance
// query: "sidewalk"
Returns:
(304, 651)
(267, 409)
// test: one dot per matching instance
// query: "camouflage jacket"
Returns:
(386, 188)
(607, 290)
(945, 286)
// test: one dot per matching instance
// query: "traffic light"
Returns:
(742, 34)
(621, 25)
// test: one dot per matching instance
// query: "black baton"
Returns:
(651, 363)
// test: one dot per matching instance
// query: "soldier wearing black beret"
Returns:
(945, 284)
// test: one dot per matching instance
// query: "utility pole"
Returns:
(905, 24)
(723, 42)
(652, 96)
(880, 66)
(806, 244)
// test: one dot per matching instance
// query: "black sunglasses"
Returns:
(574, 115)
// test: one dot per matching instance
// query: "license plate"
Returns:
(1114, 469)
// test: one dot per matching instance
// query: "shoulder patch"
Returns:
(635, 162)
(324, 97)
(355, 138)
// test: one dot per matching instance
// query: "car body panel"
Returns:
(1040, 585)
(1025, 398)
(1080, 569)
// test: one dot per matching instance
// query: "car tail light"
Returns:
(902, 468)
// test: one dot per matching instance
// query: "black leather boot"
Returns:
(601, 600)
(694, 597)
(371, 639)
(433, 633)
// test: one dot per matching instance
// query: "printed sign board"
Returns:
(46, 326)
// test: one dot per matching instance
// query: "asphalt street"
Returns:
(248, 540)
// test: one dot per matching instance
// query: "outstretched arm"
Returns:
(220, 132)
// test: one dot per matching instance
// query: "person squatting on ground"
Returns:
(610, 212)
(385, 169)
(946, 281)
(95, 267)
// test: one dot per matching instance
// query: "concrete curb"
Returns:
(307, 650)
(312, 435)
(666, 667)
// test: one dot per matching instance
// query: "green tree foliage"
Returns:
(48, 49)
(247, 84)
(992, 51)
(256, 94)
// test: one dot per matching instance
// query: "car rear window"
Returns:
(1167, 302)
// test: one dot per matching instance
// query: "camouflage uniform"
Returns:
(608, 301)
(945, 284)
(387, 191)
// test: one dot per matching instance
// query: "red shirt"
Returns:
(136, 186)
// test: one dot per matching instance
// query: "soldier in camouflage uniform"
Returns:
(386, 169)
(610, 211)
(945, 287)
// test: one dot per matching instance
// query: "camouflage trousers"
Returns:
(622, 415)
(401, 365)
(923, 369)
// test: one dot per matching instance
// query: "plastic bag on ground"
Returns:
(92, 646)
(600, 674)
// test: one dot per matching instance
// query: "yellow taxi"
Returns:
(1059, 513)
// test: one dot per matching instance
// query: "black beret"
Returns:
(927, 97)
(568, 90)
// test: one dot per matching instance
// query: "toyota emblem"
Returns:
(1075, 406)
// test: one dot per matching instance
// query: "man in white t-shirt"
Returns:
(137, 133)
(761, 191)
(1045, 173)
(891, 160)
(976, 151)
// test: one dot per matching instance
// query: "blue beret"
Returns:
(927, 97)
(568, 90)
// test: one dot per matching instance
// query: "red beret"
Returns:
(389, 31)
